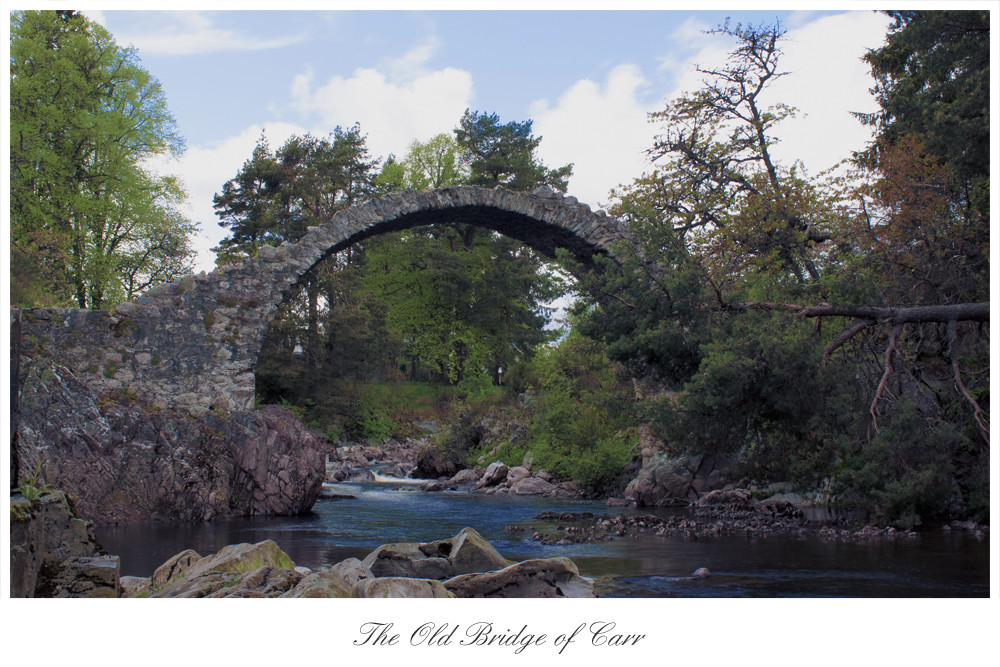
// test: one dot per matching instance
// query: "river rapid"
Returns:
(935, 563)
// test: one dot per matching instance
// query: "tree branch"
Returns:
(845, 336)
(893, 340)
(979, 312)
(984, 429)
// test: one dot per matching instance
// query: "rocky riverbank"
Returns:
(122, 461)
(399, 459)
(719, 513)
(54, 554)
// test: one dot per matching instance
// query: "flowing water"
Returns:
(935, 564)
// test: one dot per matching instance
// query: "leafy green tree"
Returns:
(275, 197)
(504, 154)
(436, 163)
(85, 117)
(582, 414)
(462, 311)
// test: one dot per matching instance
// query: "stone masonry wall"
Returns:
(193, 345)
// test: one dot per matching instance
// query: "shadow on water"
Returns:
(935, 564)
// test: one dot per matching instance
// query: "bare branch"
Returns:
(893, 340)
(845, 336)
(984, 429)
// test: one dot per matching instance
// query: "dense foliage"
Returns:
(827, 327)
(91, 225)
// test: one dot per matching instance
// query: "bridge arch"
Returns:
(193, 344)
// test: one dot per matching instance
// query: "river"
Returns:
(937, 563)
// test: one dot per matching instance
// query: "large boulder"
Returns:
(471, 552)
(241, 559)
(175, 567)
(467, 476)
(406, 560)
(468, 551)
(351, 570)
(739, 498)
(681, 480)
(433, 462)
(539, 578)
(533, 486)
(122, 461)
(265, 582)
(400, 587)
(496, 473)
(322, 584)
(516, 474)
(237, 570)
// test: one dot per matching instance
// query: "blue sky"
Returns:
(587, 79)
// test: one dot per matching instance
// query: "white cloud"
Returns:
(827, 81)
(601, 129)
(189, 33)
(412, 64)
(604, 131)
(391, 112)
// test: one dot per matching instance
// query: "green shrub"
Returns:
(475, 387)
(907, 472)
(370, 421)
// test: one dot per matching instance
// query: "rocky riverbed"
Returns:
(396, 460)
(718, 513)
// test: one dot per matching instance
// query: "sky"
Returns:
(587, 78)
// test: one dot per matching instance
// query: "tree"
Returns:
(736, 263)
(275, 197)
(247, 207)
(504, 154)
(85, 117)
(932, 82)
(462, 311)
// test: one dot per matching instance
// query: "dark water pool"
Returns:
(935, 564)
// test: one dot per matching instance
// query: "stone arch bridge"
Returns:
(193, 344)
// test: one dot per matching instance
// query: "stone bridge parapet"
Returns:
(193, 344)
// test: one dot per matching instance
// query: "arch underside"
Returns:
(540, 236)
